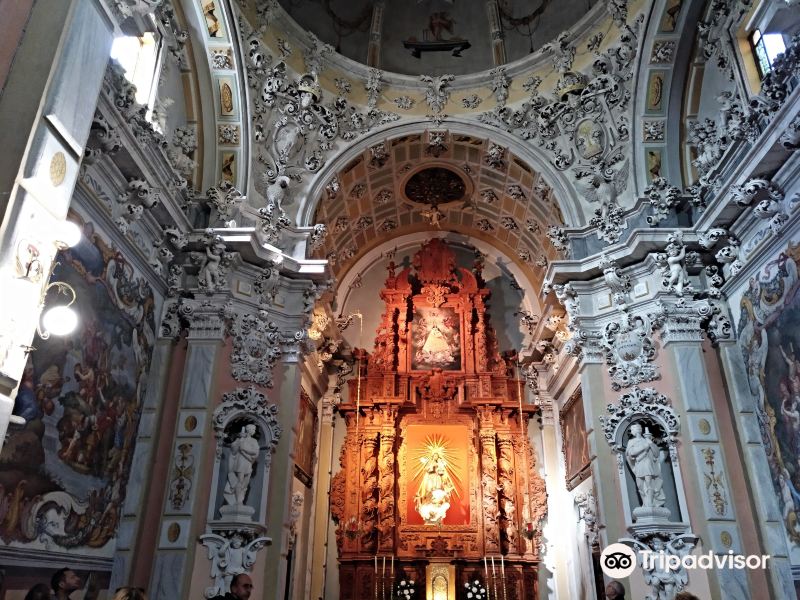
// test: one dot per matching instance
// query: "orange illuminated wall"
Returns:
(457, 438)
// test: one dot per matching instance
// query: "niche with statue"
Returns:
(642, 430)
(247, 431)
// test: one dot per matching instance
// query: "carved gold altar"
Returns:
(435, 467)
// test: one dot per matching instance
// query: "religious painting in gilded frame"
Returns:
(575, 443)
(436, 339)
(306, 440)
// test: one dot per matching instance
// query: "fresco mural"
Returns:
(63, 476)
(769, 337)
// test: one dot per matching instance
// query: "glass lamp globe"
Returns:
(60, 320)
(68, 234)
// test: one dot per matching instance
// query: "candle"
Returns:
(392, 565)
(503, 575)
(486, 569)
(383, 571)
(494, 579)
(376, 564)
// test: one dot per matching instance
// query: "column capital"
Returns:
(684, 320)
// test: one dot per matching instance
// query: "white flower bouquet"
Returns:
(405, 589)
(475, 590)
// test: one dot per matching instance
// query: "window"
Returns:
(767, 47)
(139, 57)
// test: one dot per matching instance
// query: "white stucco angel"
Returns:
(664, 580)
(603, 185)
(229, 556)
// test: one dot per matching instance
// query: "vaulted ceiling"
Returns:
(433, 181)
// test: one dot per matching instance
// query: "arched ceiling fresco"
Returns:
(438, 181)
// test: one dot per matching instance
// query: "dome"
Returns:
(436, 36)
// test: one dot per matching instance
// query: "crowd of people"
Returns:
(66, 581)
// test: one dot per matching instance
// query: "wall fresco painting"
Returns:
(63, 476)
(769, 337)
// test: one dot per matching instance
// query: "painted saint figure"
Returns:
(642, 456)
(433, 496)
(244, 452)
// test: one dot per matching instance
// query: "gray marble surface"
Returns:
(692, 378)
(198, 373)
(138, 477)
(167, 575)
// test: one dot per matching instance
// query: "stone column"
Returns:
(707, 482)
(765, 503)
(319, 534)
(491, 534)
(287, 385)
(186, 501)
(46, 110)
(142, 485)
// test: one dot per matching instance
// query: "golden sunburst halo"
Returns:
(436, 445)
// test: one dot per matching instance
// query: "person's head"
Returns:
(615, 591)
(65, 581)
(39, 592)
(242, 586)
(130, 593)
(685, 596)
(636, 429)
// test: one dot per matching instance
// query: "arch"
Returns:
(564, 193)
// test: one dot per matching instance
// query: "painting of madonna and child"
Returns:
(436, 339)
(63, 476)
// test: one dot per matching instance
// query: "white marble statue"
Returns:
(244, 452)
(643, 457)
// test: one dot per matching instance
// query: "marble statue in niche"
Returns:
(643, 456)
(243, 454)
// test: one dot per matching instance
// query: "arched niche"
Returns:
(240, 409)
(652, 412)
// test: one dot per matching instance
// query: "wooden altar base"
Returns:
(358, 579)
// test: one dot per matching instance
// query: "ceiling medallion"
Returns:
(435, 186)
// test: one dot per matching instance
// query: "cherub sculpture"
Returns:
(229, 556)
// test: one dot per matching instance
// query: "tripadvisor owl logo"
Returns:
(618, 561)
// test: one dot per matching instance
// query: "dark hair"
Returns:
(235, 579)
(39, 592)
(58, 577)
(130, 593)
(686, 596)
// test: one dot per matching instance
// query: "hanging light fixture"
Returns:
(60, 319)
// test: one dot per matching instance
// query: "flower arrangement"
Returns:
(475, 590)
(529, 531)
(405, 589)
(351, 528)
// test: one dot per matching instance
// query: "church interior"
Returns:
(434, 299)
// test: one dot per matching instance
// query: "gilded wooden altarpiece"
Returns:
(436, 378)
